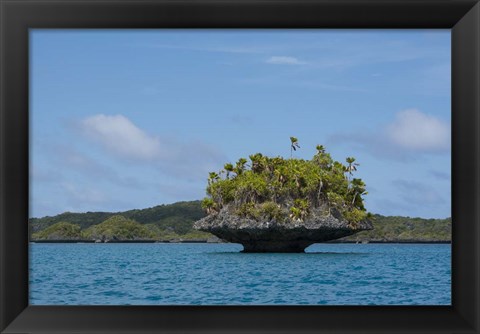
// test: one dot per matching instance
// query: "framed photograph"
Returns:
(247, 167)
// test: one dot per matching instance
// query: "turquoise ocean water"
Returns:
(218, 274)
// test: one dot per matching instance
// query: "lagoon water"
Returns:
(218, 274)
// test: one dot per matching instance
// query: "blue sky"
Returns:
(124, 119)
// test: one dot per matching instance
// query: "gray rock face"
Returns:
(292, 236)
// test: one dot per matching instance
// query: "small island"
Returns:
(273, 204)
(266, 204)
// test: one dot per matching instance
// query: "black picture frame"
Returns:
(18, 16)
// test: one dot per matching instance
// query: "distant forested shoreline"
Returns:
(173, 223)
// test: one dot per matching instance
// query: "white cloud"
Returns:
(120, 136)
(409, 135)
(284, 60)
(414, 130)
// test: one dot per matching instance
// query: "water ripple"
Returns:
(218, 274)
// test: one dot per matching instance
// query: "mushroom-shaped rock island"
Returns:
(270, 235)
(285, 205)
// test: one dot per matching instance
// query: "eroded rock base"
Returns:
(276, 247)
(275, 237)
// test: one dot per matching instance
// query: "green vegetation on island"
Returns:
(176, 218)
(161, 220)
(405, 229)
(60, 231)
(119, 228)
(171, 222)
(285, 190)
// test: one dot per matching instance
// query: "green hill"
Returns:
(162, 222)
(406, 229)
(174, 222)
(177, 217)
(60, 231)
(119, 228)
(84, 220)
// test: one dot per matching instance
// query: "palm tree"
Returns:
(209, 205)
(293, 145)
(323, 159)
(257, 162)
(272, 164)
(320, 149)
(352, 165)
(338, 167)
(358, 186)
(228, 168)
(240, 166)
(213, 177)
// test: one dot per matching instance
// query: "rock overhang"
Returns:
(273, 236)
